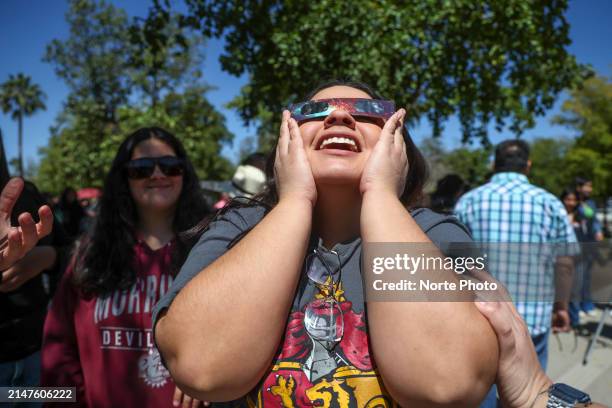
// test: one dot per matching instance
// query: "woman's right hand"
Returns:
(291, 168)
(387, 167)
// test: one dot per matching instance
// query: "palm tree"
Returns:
(20, 97)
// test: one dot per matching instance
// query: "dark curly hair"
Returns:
(104, 258)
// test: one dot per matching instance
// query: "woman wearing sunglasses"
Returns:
(269, 309)
(97, 335)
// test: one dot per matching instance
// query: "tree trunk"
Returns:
(20, 142)
(155, 93)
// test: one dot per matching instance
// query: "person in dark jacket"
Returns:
(70, 213)
(25, 220)
(24, 295)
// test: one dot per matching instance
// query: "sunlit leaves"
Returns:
(79, 155)
(589, 112)
(488, 62)
(125, 75)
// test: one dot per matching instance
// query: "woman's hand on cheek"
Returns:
(291, 168)
(387, 166)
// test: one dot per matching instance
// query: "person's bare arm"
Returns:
(441, 352)
(564, 278)
(221, 332)
(428, 353)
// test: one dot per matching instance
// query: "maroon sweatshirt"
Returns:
(104, 345)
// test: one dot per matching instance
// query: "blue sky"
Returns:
(26, 26)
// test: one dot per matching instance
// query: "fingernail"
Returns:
(26, 220)
(175, 403)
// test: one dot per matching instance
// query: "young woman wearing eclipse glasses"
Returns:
(268, 309)
(97, 334)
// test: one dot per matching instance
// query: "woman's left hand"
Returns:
(387, 167)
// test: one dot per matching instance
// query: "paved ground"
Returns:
(565, 361)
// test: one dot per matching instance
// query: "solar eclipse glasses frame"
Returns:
(358, 107)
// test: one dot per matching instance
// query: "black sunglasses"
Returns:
(144, 167)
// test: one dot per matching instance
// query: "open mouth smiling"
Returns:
(339, 142)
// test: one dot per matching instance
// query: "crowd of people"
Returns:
(258, 299)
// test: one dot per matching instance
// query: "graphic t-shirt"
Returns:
(307, 371)
(104, 346)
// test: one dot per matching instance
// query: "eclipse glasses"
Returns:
(371, 108)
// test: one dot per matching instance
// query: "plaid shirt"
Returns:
(510, 211)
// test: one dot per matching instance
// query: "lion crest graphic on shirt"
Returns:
(151, 369)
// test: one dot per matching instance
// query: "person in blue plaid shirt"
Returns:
(508, 210)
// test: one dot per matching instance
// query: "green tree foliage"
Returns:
(589, 112)
(484, 61)
(93, 61)
(473, 165)
(20, 97)
(164, 56)
(549, 157)
(549, 164)
(76, 157)
(155, 82)
(435, 155)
